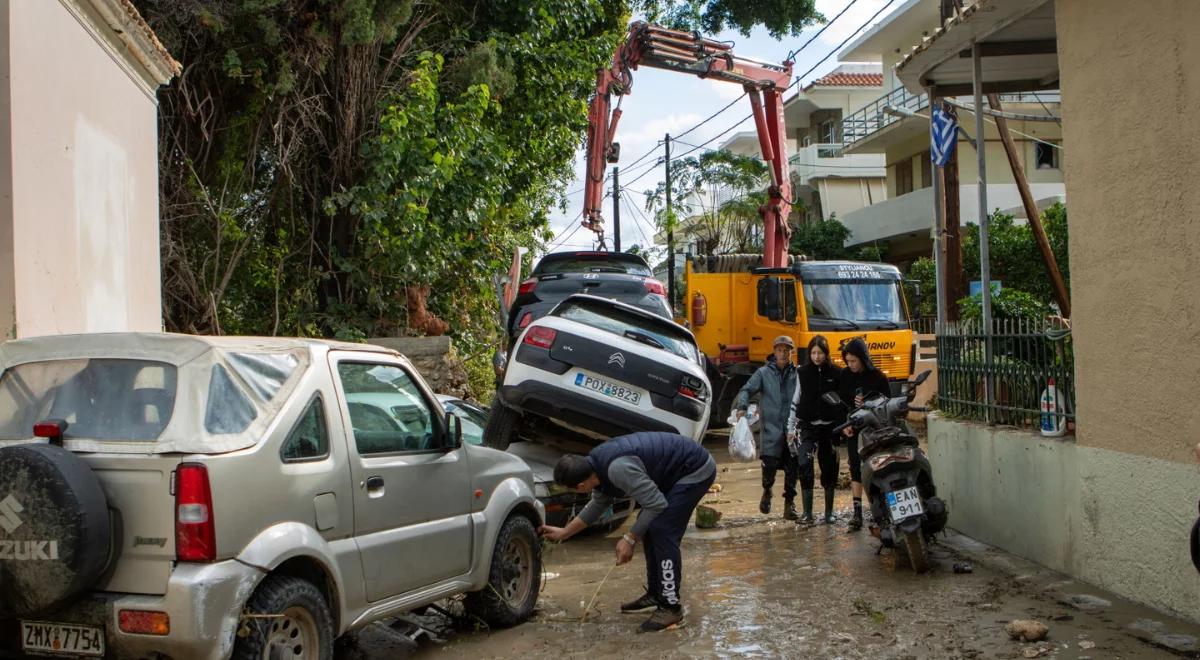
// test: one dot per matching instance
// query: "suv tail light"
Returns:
(541, 337)
(195, 530)
(693, 388)
(654, 286)
(527, 286)
(526, 319)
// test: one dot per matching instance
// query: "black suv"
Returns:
(623, 277)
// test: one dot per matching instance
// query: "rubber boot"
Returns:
(764, 505)
(829, 517)
(789, 510)
(856, 521)
(807, 497)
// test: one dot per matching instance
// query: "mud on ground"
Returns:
(760, 586)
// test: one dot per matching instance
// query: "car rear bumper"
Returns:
(578, 409)
(203, 601)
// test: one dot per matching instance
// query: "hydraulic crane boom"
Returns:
(685, 52)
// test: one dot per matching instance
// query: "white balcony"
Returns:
(828, 161)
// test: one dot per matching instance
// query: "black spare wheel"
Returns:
(54, 528)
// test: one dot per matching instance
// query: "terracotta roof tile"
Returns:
(839, 79)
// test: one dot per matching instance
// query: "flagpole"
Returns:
(939, 213)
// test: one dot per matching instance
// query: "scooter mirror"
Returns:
(832, 398)
(924, 376)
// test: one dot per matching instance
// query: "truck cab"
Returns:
(737, 310)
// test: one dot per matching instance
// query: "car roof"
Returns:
(584, 254)
(166, 347)
(625, 307)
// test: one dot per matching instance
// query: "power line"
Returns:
(796, 52)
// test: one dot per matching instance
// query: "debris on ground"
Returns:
(1085, 602)
(1027, 630)
(707, 517)
(715, 488)
(864, 607)
(963, 567)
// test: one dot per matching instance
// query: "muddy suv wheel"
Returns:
(289, 619)
(501, 428)
(515, 578)
(55, 529)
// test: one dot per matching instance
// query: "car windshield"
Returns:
(664, 335)
(100, 399)
(592, 264)
(473, 420)
(841, 304)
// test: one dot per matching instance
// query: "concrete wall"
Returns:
(1111, 519)
(1129, 83)
(79, 245)
(844, 196)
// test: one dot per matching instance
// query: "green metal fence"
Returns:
(1024, 359)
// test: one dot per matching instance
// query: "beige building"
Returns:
(79, 245)
(1112, 504)
(895, 126)
(825, 180)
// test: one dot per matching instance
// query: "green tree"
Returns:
(921, 277)
(712, 195)
(1014, 256)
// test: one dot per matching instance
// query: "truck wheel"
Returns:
(501, 428)
(296, 622)
(515, 577)
(55, 528)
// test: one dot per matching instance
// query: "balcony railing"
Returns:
(893, 106)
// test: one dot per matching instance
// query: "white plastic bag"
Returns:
(741, 438)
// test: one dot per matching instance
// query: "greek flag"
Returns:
(943, 133)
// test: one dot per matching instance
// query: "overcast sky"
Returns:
(665, 102)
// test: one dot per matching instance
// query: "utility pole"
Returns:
(616, 211)
(670, 231)
(939, 235)
(985, 270)
(952, 272)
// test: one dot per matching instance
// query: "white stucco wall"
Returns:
(84, 180)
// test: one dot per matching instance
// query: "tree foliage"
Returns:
(826, 240)
(1013, 253)
(781, 17)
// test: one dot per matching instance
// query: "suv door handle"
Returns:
(374, 486)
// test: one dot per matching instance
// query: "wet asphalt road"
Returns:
(759, 586)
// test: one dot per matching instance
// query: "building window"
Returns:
(904, 177)
(926, 170)
(1046, 155)
(828, 132)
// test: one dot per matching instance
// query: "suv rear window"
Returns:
(592, 264)
(618, 321)
(100, 398)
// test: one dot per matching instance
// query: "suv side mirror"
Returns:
(916, 285)
(453, 431)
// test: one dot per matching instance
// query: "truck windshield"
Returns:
(869, 304)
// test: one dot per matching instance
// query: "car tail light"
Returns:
(527, 286)
(51, 429)
(693, 388)
(654, 286)
(541, 337)
(195, 530)
(526, 320)
(142, 622)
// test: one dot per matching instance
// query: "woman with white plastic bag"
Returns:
(741, 437)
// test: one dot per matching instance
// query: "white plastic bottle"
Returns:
(1054, 423)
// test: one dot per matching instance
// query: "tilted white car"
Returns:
(603, 368)
(207, 497)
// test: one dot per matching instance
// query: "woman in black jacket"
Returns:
(812, 420)
(859, 380)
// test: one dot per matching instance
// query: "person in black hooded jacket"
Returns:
(859, 380)
(812, 421)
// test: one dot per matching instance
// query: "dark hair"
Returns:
(572, 470)
(858, 348)
(817, 342)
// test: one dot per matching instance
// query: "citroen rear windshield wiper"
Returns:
(834, 318)
(644, 338)
(895, 326)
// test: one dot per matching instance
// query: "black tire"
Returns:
(55, 528)
(303, 607)
(918, 555)
(513, 582)
(502, 426)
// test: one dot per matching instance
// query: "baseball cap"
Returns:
(785, 340)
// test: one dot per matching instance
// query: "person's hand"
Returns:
(624, 551)
(553, 533)
(858, 401)
(848, 432)
(741, 414)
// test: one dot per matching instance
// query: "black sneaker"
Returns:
(789, 511)
(646, 602)
(856, 522)
(764, 505)
(663, 618)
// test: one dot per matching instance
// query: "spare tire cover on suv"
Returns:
(54, 528)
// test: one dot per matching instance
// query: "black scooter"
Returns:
(897, 474)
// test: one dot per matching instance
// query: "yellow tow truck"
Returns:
(736, 310)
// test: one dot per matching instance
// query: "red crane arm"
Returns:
(686, 52)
